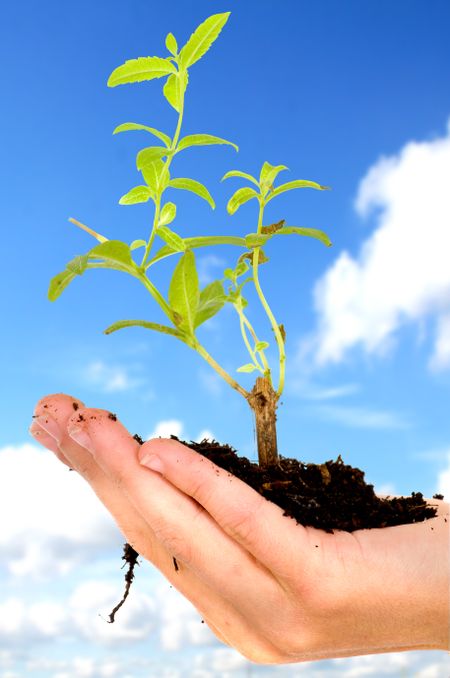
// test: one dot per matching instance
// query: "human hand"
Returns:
(276, 591)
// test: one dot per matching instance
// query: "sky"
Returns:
(355, 96)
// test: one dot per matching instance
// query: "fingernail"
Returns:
(49, 425)
(80, 436)
(42, 437)
(153, 462)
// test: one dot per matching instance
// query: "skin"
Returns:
(274, 590)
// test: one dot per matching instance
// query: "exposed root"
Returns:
(130, 556)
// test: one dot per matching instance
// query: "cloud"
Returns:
(175, 427)
(54, 521)
(401, 275)
(110, 378)
(360, 417)
(207, 266)
(443, 483)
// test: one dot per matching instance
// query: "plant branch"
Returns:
(215, 365)
(273, 322)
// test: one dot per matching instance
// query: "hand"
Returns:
(274, 590)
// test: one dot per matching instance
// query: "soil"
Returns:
(329, 496)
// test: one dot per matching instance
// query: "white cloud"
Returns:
(54, 519)
(110, 378)
(401, 273)
(210, 267)
(360, 417)
(167, 428)
(443, 483)
(175, 427)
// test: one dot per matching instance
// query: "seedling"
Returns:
(186, 306)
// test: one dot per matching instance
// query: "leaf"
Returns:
(184, 292)
(136, 195)
(148, 155)
(262, 259)
(59, 283)
(142, 68)
(202, 140)
(261, 345)
(175, 88)
(168, 214)
(194, 187)
(299, 183)
(114, 251)
(241, 196)
(171, 44)
(78, 264)
(310, 232)
(155, 175)
(243, 175)
(172, 239)
(129, 126)
(212, 299)
(121, 324)
(269, 173)
(249, 367)
(202, 39)
(137, 243)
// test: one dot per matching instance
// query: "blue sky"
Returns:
(352, 95)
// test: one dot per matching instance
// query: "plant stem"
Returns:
(173, 146)
(261, 353)
(263, 401)
(273, 322)
(245, 338)
(215, 365)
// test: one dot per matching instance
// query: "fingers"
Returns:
(185, 529)
(57, 413)
(252, 521)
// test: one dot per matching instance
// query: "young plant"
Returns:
(186, 306)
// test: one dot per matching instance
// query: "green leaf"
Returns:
(268, 175)
(171, 44)
(184, 292)
(136, 195)
(148, 156)
(168, 214)
(172, 239)
(212, 298)
(129, 126)
(249, 367)
(257, 239)
(241, 196)
(261, 345)
(142, 68)
(121, 324)
(59, 283)
(78, 264)
(194, 187)
(137, 243)
(114, 251)
(242, 175)
(155, 176)
(202, 140)
(310, 232)
(175, 88)
(202, 39)
(299, 183)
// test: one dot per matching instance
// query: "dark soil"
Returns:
(329, 496)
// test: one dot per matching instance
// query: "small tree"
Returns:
(187, 306)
